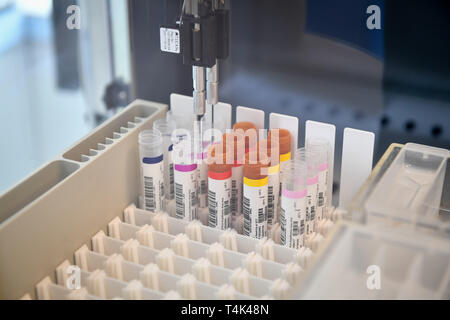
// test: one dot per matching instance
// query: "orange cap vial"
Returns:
(254, 168)
(284, 139)
(246, 126)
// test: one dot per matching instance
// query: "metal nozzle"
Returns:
(199, 93)
(212, 91)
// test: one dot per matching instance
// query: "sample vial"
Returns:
(321, 148)
(202, 165)
(185, 180)
(152, 170)
(183, 121)
(235, 143)
(250, 133)
(312, 186)
(167, 127)
(270, 149)
(283, 137)
(255, 199)
(219, 189)
(293, 204)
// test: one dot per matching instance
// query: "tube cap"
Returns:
(284, 139)
(219, 153)
(237, 142)
(246, 126)
(269, 152)
(253, 167)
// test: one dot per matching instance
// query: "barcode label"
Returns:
(295, 229)
(236, 190)
(180, 208)
(152, 184)
(311, 207)
(283, 227)
(171, 179)
(270, 205)
(293, 214)
(185, 194)
(219, 196)
(273, 198)
(255, 211)
(261, 216)
(321, 195)
(193, 199)
(149, 193)
(212, 205)
(247, 222)
(320, 200)
(202, 185)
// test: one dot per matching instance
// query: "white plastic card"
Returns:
(252, 115)
(357, 160)
(222, 115)
(326, 131)
(286, 122)
(180, 104)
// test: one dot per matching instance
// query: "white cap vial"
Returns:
(167, 127)
(321, 148)
(151, 159)
(312, 165)
(293, 204)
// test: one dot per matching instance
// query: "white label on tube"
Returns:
(236, 189)
(273, 196)
(311, 204)
(255, 207)
(153, 183)
(284, 160)
(186, 191)
(219, 196)
(322, 192)
(171, 177)
(293, 218)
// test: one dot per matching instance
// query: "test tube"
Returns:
(202, 165)
(271, 150)
(235, 143)
(152, 170)
(283, 137)
(321, 148)
(183, 121)
(255, 196)
(250, 133)
(293, 204)
(185, 180)
(312, 161)
(167, 127)
(219, 188)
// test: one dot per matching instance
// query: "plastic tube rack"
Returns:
(157, 257)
